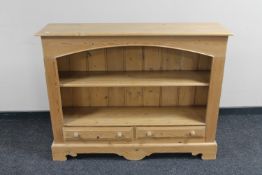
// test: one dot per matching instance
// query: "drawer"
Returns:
(170, 132)
(98, 133)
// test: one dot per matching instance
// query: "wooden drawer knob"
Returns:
(192, 133)
(119, 134)
(149, 134)
(76, 134)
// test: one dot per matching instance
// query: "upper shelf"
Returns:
(124, 79)
(134, 29)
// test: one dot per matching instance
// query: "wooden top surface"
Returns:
(134, 29)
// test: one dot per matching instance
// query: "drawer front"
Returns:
(170, 132)
(98, 133)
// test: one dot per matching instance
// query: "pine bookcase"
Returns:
(134, 89)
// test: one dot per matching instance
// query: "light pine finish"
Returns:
(170, 132)
(134, 96)
(54, 98)
(134, 151)
(124, 79)
(134, 89)
(98, 133)
(134, 58)
(135, 29)
(134, 116)
(214, 97)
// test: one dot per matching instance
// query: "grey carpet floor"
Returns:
(25, 141)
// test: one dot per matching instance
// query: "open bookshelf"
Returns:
(172, 93)
(134, 89)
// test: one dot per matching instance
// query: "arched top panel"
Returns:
(144, 46)
(60, 46)
(134, 58)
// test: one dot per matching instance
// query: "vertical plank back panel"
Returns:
(99, 96)
(78, 62)
(170, 59)
(201, 95)
(66, 96)
(134, 96)
(97, 60)
(189, 61)
(151, 96)
(116, 96)
(81, 96)
(169, 96)
(204, 62)
(115, 59)
(134, 59)
(152, 58)
(186, 96)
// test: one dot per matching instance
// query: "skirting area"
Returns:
(25, 141)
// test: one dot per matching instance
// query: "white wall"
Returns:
(22, 81)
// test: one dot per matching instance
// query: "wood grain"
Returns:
(134, 60)
(115, 59)
(142, 80)
(134, 116)
(116, 96)
(169, 96)
(170, 132)
(99, 96)
(134, 96)
(97, 60)
(134, 29)
(98, 133)
(186, 96)
(152, 58)
(151, 96)
(171, 59)
(134, 79)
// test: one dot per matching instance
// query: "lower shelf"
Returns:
(134, 116)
